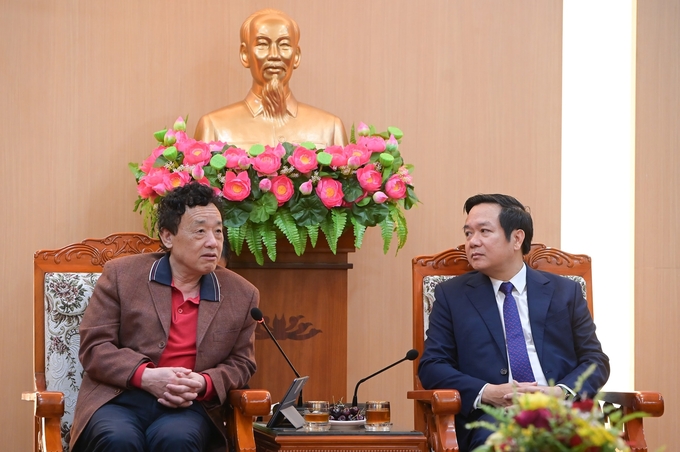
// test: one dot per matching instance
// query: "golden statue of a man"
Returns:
(270, 114)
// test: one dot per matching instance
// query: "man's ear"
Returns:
(296, 58)
(166, 238)
(517, 239)
(243, 55)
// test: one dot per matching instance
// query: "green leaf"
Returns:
(400, 225)
(254, 241)
(411, 198)
(138, 173)
(371, 214)
(359, 231)
(339, 216)
(286, 224)
(269, 240)
(235, 214)
(263, 208)
(313, 232)
(351, 189)
(309, 210)
(387, 230)
(329, 231)
(236, 236)
(352, 139)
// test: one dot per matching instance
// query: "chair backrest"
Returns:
(430, 270)
(63, 283)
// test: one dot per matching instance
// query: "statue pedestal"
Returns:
(304, 301)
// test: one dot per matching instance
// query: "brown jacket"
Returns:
(128, 321)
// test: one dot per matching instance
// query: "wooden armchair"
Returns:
(63, 283)
(435, 409)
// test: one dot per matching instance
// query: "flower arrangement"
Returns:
(290, 189)
(540, 422)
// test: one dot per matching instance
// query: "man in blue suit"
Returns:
(506, 328)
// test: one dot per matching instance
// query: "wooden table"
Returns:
(288, 439)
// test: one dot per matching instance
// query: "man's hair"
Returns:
(173, 205)
(513, 215)
(245, 27)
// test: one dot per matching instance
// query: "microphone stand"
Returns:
(410, 355)
(261, 322)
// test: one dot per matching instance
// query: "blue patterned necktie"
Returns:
(517, 347)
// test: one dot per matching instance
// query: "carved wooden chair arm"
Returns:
(650, 403)
(438, 407)
(246, 404)
(48, 407)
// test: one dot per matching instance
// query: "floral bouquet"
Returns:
(291, 190)
(539, 422)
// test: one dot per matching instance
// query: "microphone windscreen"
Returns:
(256, 314)
(412, 354)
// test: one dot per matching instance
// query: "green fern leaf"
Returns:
(269, 240)
(313, 232)
(236, 237)
(401, 228)
(286, 224)
(328, 229)
(387, 229)
(254, 241)
(302, 232)
(359, 231)
(339, 217)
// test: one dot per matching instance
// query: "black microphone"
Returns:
(410, 355)
(256, 314)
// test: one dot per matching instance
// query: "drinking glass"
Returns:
(317, 416)
(378, 416)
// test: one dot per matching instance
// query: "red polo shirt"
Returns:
(180, 351)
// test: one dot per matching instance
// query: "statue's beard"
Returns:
(274, 101)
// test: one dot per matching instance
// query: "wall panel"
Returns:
(657, 216)
(475, 85)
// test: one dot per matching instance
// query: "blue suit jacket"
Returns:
(465, 346)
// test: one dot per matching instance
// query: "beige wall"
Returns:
(475, 86)
(657, 216)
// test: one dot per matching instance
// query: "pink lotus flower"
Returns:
(215, 146)
(195, 152)
(267, 163)
(236, 188)
(150, 160)
(380, 197)
(179, 124)
(306, 188)
(153, 183)
(339, 155)
(279, 150)
(265, 185)
(282, 187)
(233, 156)
(361, 154)
(197, 172)
(303, 160)
(363, 129)
(369, 179)
(392, 144)
(177, 179)
(395, 188)
(330, 192)
(374, 144)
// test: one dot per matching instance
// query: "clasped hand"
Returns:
(174, 387)
(502, 395)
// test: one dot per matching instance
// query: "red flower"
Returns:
(538, 418)
(585, 406)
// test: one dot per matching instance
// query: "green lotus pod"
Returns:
(256, 150)
(160, 135)
(324, 158)
(218, 161)
(170, 153)
(396, 131)
(386, 160)
(308, 145)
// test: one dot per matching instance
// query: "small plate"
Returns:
(347, 425)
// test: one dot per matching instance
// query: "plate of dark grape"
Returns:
(346, 418)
